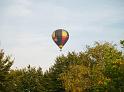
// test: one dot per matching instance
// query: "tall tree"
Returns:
(76, 78)
(27, 79)
(52, 76)
(93, 70)
(5, 65)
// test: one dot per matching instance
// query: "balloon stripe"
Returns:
(64, 40)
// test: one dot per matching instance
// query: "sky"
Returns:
(26, 27)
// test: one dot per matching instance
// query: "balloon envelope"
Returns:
(60, 37)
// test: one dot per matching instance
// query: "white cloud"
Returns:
(38, 55)
(19, 8)
(27, 26)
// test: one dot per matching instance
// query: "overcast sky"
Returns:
(26, 27)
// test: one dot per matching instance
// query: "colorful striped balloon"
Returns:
(60, 37)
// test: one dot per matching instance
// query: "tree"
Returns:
(76, 78)
(122, 43)
(98, 69)
(31, 81)
(79, 71)
(5, 65)
(53, 83)
(111, 75)
(27, 79)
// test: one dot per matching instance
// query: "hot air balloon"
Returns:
(60, 37)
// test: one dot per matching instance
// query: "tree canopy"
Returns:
(100, 68)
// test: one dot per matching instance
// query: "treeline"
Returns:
(98, 69)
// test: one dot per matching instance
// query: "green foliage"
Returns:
(122, 43)
(28, 79)
(91, 70)
(76, 78)
(5, 64)
(98, 69)
(105, 55)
